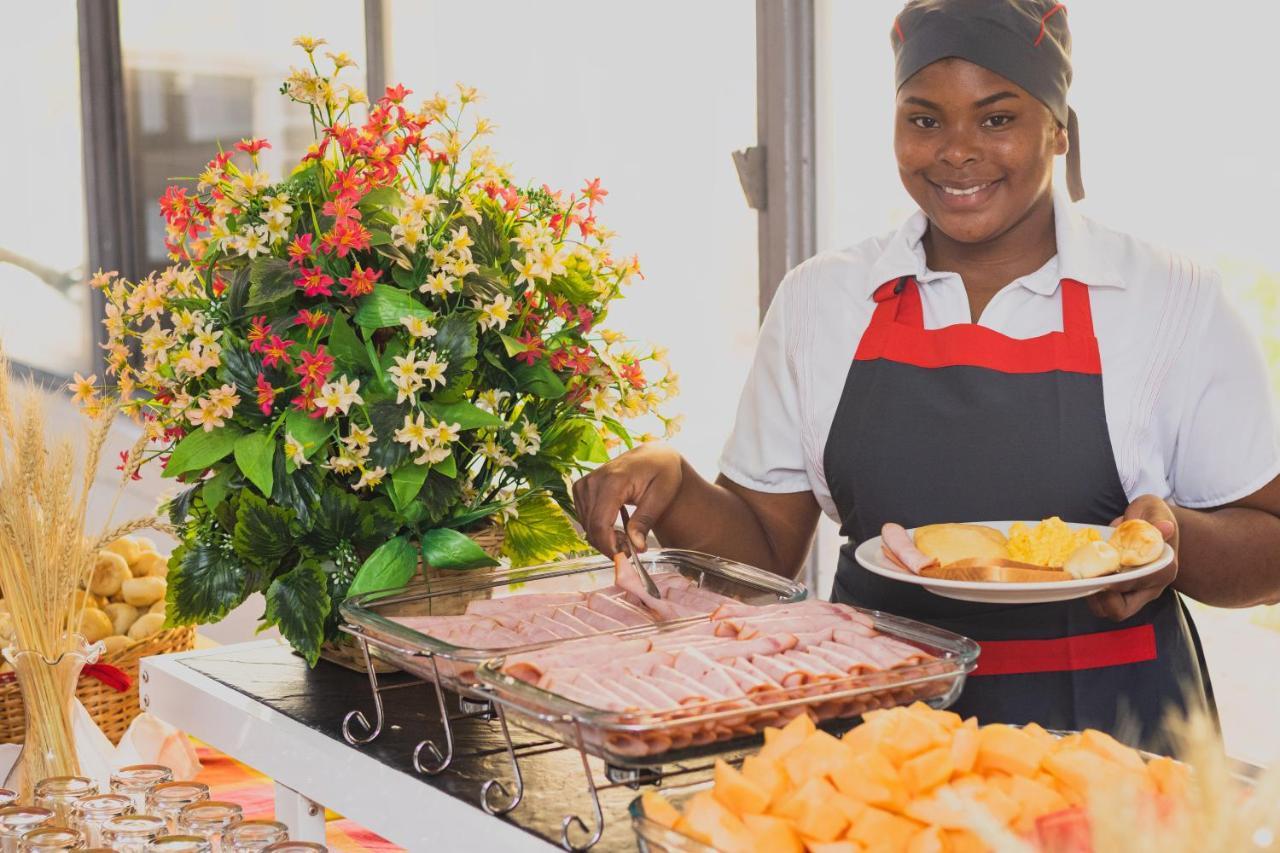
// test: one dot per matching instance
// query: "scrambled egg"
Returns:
(1049, 543)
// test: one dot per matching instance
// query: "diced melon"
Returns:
(929, 840)
(872, 779)
(767, 775)
(845, 846)
(908, 735)
(877, 826)
(1033, 798)
(927, 770)
(964, 748)
(1110, 748)
(1172, 778)
(658, 809)
(705, 818)
(811, 812)
(866, 736)
(1085, 772)
(772, 834)
(819, 753)
(1011, 750)
(779, 742)
(737, 793)
(932, 810)
(1038, 732)
(946, 719)
(964, 841)
(1000, 805)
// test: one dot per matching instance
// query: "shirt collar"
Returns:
(1080, 258)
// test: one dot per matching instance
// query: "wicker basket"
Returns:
(345, 652)
(112, 710)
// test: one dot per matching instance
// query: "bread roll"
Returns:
(1092, 560)
(150, 564)
(109, 572)
(6, 627)
(1138, 541)
(122, 616)
(145, 545)
(143, 592)
(948, 543)
(127, 547)
(83, 598)
(158, 607)
(115, 644)
(147, 624)
(95, 625)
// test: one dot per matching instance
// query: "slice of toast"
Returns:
(999, 570)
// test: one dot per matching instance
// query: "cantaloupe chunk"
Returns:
(1081, 770)
(879, 827)
(710, 822)
(1038, 732)
(737, 793)
(772, 834)
(1033, 798)
(964, 748)
(819, 753)
(866, 736)
(833, 846)
(947, 719)
(964, 841)
(907, 735)
(779, 742)
(927, 770)
(872, 779)
(811, 812)
(1110, 748)
(1172, 778)
(766, 775)
(931, 839)
(1011, 750)
(658, 809)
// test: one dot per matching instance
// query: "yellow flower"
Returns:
(524, 270)
(440, 284)
(359, 438)
(294, 450)
(484, 127)
(223, 401)
(101, 280)
(356, 95)
(308, 43)
(83, 388)
(433, 370)
(447, 433)
(370, 479)
(496, 314)
(467, 94)
(611, 337)
(672, 425)
(418, 327)
(414, 432)
(340, 60)
(490, 399)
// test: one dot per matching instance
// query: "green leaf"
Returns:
(205, 583)
(263, 533)
(381, 197)
(297, 490)
(385, 418)
(343, 344)
(214, 491)
(378, 237)
(386, 305)
(575, 439)
(448, 468)
(464, 414)
(540, 533)
(391, 566)
(573, 286)
(456, 341)
(179, 507)
(311, 432)
(444, 548)
(240, 367)
(620, 431)
(254, 453)
(270, 281)
(237, 293)
(201, 449)
(409, 279)
(298, 604)
(436, 500)
(405, 483)
(513, 346)
(540, 380)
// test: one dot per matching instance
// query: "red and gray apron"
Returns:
(965, 424)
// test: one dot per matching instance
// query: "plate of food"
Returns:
(1016, 562)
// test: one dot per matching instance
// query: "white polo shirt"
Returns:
(1187, 398)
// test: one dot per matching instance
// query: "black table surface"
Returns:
(319, 698)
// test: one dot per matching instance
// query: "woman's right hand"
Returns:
(647, 477)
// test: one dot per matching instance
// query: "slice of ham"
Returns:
(597, 620)
(896, 543)
(614, 606)
(521, 603)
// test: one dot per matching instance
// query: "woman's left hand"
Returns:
(1121, 601)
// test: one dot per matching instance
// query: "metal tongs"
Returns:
(649, 586)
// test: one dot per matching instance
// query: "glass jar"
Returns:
(7, 798)
(210, 819)
(17, 821)
(90, 813)
(136, 781)
(169, 798)
(132, 833)
(180, 844)
(251, 836)
(60, 793)
(51, 839)
(295, 847)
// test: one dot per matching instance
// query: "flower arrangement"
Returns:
(354, 367)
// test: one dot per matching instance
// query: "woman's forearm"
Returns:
(1229, 557)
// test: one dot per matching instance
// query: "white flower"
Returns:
(490, 399)
(358, 439)
(434, 455)
(491, 450)
(602, 401)
(550, 262)
(415, 433)
(370, 478)
(496, 314)
(525, 270)
(433, 370)
(253, 241)
(446, 434)
(441, 284)
(294, 450)
(418, 327)
(673, 425)
(460, 239)
(343, 463)
(528, 441)
(339, 396)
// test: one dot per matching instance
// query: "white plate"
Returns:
(871, 557)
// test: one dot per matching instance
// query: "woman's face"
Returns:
(974, 150)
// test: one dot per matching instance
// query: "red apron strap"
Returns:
(1068, 654)
(888, 301)
(1077, 316)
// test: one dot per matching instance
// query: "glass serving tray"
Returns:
(649, 738)
(372, 616)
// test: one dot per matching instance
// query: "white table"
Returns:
(311, 768)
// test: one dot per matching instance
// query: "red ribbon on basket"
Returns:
(112, 676)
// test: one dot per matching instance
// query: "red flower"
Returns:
(314, 282)
(360, 282)
(397, 93)
(311, 319)
(583, 360)
(174, 202)
(124, 460)
(593, 191)
(252, 146)
(276, 351)
(342, 209)
(300, 249)
(511, 198)
(316, 151)
(219, 161)
(219, 286)
(306, 403)
(314, 369)
(259, 328)
(345, 181)
(633, 374)
(535, 348)
(586, 226)
(586, 318)
(266, 395)
(345, 237)
(560, 359)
